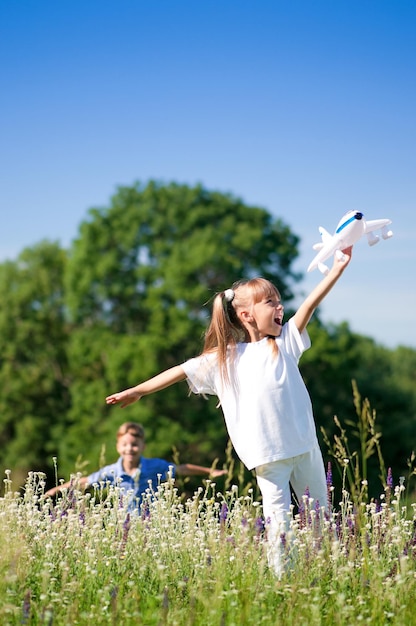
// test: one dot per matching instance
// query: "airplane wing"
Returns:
(327, 250)
(371, 225)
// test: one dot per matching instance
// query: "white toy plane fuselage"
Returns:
(350, 229)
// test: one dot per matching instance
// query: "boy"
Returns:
(133, 472)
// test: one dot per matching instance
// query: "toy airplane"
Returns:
(349, 230)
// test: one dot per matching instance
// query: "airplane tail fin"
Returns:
(324, 234)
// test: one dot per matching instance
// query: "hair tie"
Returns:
(229, 295)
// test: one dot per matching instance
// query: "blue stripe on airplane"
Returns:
(338, 230)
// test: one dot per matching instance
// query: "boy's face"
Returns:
(130, 447)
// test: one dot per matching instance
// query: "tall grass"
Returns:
(85, 559)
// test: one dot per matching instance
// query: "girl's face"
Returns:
(267, 317)
(258, 307)
(130, 448)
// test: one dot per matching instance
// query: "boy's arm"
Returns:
(307, 308)
(187, 469)
(162, 380)
(81, 483)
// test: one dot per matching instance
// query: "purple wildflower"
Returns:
(389, 486)
(307, 519)
(126, 528)
(302, 517)
(317, 520)
(389, 478)
(145, 511)
(329, 475)
(329, 487)
(223, 513)
(26, 607)
(259, 526)
(82, 521)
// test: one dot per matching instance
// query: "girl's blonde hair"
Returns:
(225, 329)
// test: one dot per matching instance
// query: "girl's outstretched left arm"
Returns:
(313, 300)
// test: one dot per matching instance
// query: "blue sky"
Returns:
(306, 108)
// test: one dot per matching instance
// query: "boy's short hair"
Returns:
(131, 427)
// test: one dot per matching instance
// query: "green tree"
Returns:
(385, 377)
(33, 364)
(137, 278)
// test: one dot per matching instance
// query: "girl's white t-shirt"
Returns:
(266, 405)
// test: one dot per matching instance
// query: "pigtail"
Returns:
(224, 330)
(273, 345)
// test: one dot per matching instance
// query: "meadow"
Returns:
(201, 560)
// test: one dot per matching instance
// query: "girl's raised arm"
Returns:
(311, 302)
(162, 380)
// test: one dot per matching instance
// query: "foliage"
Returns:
(33, 354)
(201, 560)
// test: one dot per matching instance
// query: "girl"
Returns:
(250, 362)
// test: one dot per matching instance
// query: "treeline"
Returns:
(127, 300)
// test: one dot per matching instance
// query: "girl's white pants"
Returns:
(304, 472)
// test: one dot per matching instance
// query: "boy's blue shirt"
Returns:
(154, 470)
